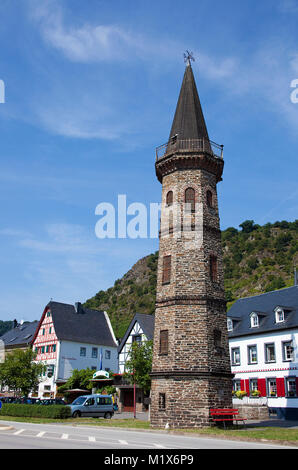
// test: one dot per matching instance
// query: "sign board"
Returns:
(101, 373)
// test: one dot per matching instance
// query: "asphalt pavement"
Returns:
(22, 435)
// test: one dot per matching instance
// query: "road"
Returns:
(60, 436)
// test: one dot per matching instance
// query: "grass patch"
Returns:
(268, 433)
(119, 423)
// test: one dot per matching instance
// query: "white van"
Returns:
(92, 405)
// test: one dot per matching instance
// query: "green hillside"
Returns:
(5, 326)
(257, 259)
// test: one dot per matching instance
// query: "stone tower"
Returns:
(191, 367)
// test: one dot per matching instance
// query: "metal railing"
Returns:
(189, 145)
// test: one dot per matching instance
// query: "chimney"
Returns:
(78, 307)
(15, 323)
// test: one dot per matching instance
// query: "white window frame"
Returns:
(254, 320)
(287, 357)
(250, 349)
(234, 352)
(279, 315)
(230, 324)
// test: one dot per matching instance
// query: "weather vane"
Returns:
(188, 57)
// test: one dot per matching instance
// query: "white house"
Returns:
(263, 339)
(141, 329)
(72, 337)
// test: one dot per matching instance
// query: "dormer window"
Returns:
(279, 315)
(230, 324)
(254, 320)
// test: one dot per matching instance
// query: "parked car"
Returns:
(92, 405)
(53, 401)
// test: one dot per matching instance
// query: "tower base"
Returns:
(185, 401)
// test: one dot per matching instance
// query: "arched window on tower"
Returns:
(190, 198)
(169, 198)
(213, 268)
(209, 198)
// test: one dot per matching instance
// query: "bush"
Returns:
(35, 411)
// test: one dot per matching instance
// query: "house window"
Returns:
(288, 350)
(54, 348)
(236, 385)
(166, 271)
(107, 354)
(254, 320)
(253, 385)
(270, 352)
(164, 342)
(48, 314)
(252, 354)
(43, 331)
(137, 339)
(279, 315)
(162, 401)
(213, 268)
(190, 199)
(50, 330)
(169, 198)
(291, 390)
(42, 350)
(235, 356)
(271, 387)
(94, 352)
(83, 352)
(230, 324)
(50, 370)
(209, 198)
(47, 349)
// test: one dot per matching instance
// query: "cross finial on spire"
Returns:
(188, 57)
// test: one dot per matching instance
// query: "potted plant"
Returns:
(255, 393)
(240, 394)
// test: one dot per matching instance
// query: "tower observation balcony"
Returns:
(203, 145)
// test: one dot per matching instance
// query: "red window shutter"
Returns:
(247, 386)
(262, 387)
(242, 385)
(280, 387)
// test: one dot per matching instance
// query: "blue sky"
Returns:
(90, 91)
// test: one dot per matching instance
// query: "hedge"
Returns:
(35, 411)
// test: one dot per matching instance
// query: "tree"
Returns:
(20, 373)
(139, 365)
(79, 379)
(248, 226)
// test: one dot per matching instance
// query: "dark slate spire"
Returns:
(189, 122)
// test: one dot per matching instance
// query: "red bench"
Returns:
(226, 414)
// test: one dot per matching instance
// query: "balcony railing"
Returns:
(189, 145)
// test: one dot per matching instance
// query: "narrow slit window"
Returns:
(209, 198)
(166, 272)
(162, 401)
(164, 342)
(213, 268)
